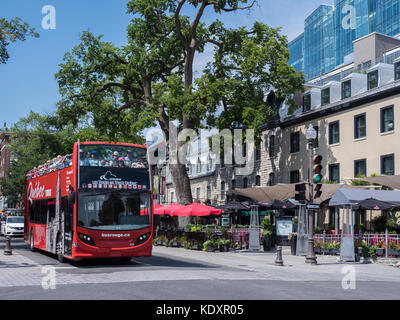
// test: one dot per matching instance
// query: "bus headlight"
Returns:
(86, 239)
(143, 238)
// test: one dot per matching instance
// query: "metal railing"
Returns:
(370, 239)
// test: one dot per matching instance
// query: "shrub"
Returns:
(209, 243)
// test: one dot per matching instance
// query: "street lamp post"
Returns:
(311, 134)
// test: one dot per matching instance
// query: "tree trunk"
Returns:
(183, 191)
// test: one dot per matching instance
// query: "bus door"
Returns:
(68, 212)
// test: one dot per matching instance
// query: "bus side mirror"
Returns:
(71, 198)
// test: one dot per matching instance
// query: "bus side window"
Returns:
(43, 212)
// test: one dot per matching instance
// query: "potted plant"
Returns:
(227, 244)
(186, 244)
(392, 249)
(174, 242)
(267, 239)
(209, 246)
(195, 245)
(317, 246)
(220, 245)
(379, 248)
(181, 241)
(397, 251)
(334, 247)
(324, 248)
(293, 242)
(157, 241)
(163, 240)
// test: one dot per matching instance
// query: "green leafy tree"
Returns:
(12, 31)
(34, 140)
(150, 81)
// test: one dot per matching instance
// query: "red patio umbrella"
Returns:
(197, 210)
(167, 209)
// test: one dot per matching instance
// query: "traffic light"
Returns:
(300, 194)
(317, 169)
(318, 191)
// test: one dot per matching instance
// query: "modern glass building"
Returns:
(296, 49)
(319, 39)
(329, 32)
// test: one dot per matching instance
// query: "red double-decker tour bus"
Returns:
(93, 203)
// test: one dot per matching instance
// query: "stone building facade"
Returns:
(356, 113)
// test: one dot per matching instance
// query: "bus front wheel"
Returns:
(31, 242)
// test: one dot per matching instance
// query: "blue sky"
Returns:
(27, 80)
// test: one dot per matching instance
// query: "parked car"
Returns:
(13, 226)
(2, 223)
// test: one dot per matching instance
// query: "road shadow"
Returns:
(161, 261)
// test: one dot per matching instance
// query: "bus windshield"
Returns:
(114, 211)
(109, 155)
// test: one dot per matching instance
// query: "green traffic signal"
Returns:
(318, 178)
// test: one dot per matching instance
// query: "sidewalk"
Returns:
(328, 268)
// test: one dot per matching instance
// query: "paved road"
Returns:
(180, 274)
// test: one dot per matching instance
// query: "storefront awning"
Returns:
(286, 191)
(349, 196)
(392, 182)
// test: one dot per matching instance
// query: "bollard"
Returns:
(7, 250)
(279, 261)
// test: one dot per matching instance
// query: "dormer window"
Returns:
(198, 166)
(346, 89)
(306, 102)
(209, 163)
(372, 79)
(325, 96)
(189, 168)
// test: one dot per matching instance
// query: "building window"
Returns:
(397, 71)
(307, 102)
(271, 179)
(372, 79)
(172, 197)
(294, 142)
(222, 190)
(245, 182)
(233, 184)
(316, 141)
(198, 193)
(244, 150)
(198, 166)
(334, 173)
(334, 134)
(360, 168)
(208, 192)
(346, 89)
(294, 176)
(209, 163)
(258, 181)
(360, 126)
(387, 119)
(387, 165)
(222, 159)
(189, 168)
(271, 149)
(258, 152)
(325, 96)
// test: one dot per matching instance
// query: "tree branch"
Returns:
(178, 25)
(233, 9)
